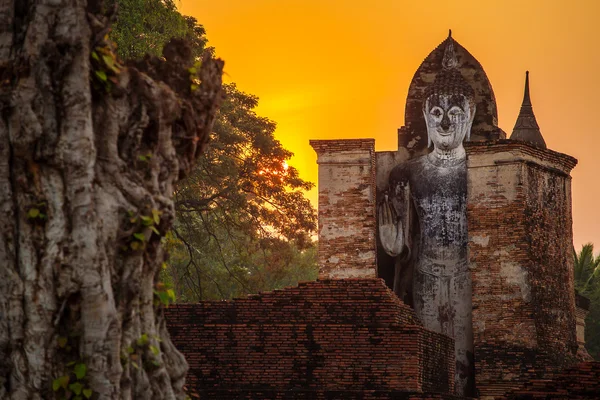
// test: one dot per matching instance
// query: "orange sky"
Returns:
(327, 69)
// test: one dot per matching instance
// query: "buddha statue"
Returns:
(423, 223)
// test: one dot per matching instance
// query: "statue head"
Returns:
(449, 105)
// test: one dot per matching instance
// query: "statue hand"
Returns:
(391, 234)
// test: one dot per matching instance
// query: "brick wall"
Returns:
(349, 338)
(347, 247)
(520, 255)
(580, 382)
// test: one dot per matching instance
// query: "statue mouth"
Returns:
(444, 133)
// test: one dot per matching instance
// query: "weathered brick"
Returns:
(348, 336)
(347, 246)
(520, 256)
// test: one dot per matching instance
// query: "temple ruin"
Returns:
(355, 333)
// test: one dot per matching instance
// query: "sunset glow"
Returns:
(327, 69)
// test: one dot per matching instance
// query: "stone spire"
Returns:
(526, 128)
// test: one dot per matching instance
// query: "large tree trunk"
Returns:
(87, 168)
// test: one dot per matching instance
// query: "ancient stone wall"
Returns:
(520, 255)
(347, 247)
(580, 382)
(341, 338)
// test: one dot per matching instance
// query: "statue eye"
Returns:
(436, 112)
(455, 112)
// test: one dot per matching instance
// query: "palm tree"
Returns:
(587, 283)
(587, 270)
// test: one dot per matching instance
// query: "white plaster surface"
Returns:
(350, 272)
(515, 274)
(482, 241)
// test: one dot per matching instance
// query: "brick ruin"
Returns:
(334, 338)
(348, 336)
(347, 204)
(521, 260)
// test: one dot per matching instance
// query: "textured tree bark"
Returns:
(87, 167)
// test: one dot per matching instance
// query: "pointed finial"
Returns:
(449, 33)
(449, 61)
(526, 99)
(526, 128)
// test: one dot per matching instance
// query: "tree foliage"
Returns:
(145, 26)
(242, 216)
(243, 221)
(587, 283)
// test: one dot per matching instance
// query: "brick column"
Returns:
(521, 260)
(347, 244)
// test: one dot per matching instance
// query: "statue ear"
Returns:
(425, 112)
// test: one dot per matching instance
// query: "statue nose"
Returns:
(445, 124)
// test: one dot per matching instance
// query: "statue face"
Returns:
(449, 119)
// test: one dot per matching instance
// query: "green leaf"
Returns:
(130, 350)
(135, 365)
(62, 342)
(71, 363)
(80, 370)
(64, 381)
(76, 387)
(56, 384)
(157, 338)
(171, 294)
(156, 216)
(139, 236)
(192, 70)
(87, 393)
(146, 220)
(110, 63)
(130, 213)
(164, 298)
(153, 229)
(154, 350)
(101, 75)
(194, 87)
(95, 56)
(143, 340)
(33, 213)
(136, 245)
(145, 157)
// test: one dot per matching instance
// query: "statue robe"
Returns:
(429, 197)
